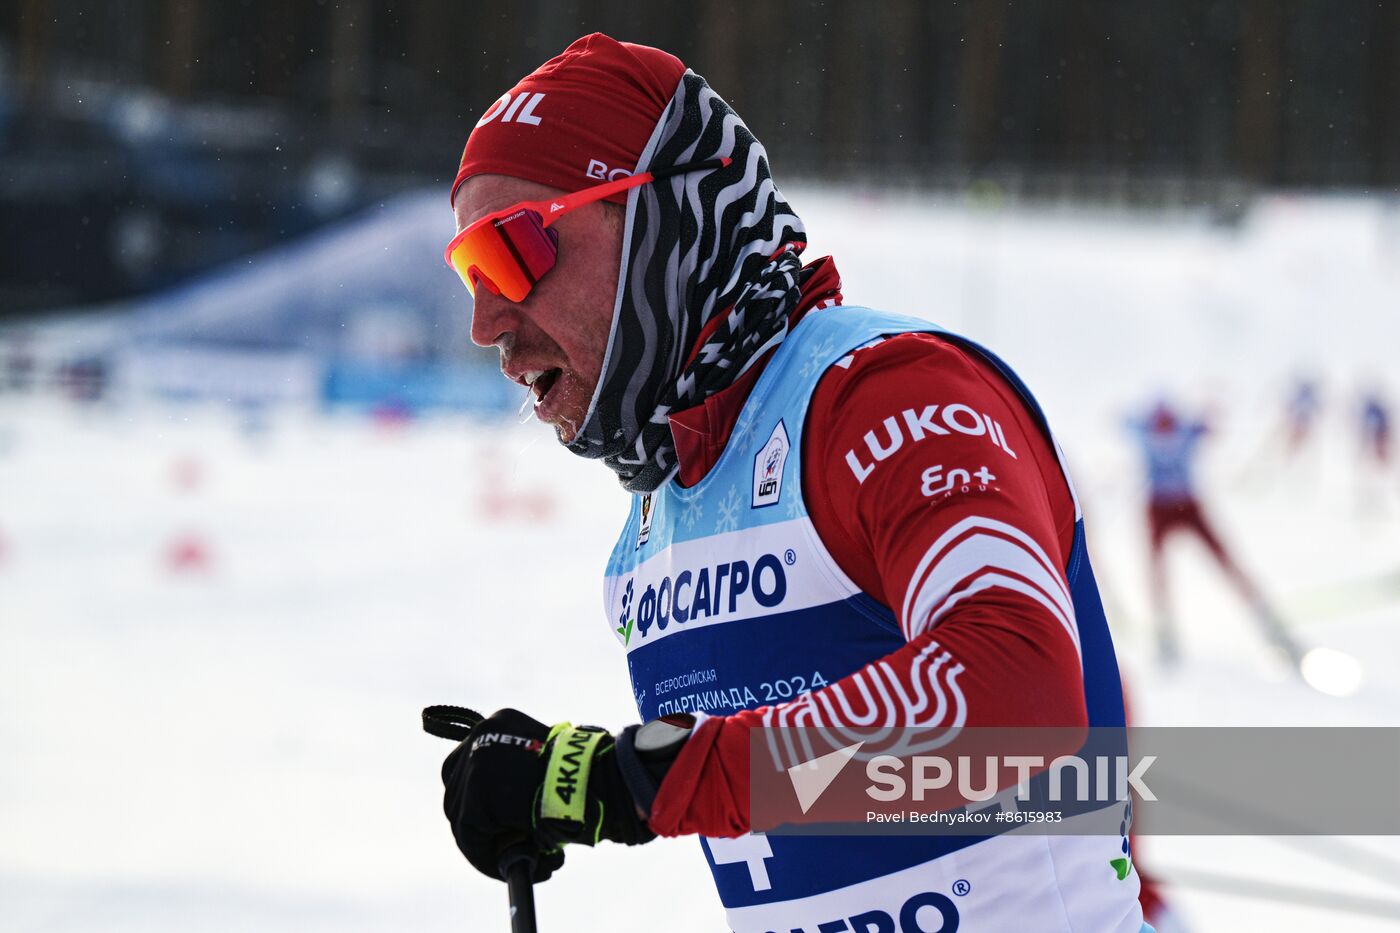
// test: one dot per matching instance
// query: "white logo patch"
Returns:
(768, 468)
(645, 531)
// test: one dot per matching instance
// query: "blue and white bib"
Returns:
(725, 598)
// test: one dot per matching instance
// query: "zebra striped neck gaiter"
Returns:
(709, 258)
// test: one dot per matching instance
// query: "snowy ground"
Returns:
(236, 746)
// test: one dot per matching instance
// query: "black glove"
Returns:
(517, 785)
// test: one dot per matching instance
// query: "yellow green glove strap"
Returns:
(565, 792)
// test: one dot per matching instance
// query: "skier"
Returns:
(1288, 447)
(1302, 410)
(1373, 473)
(1375, 428)
(837, 513)
(1169, 447)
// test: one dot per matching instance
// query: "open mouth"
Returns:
(542, 383)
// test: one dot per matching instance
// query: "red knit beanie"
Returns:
(581, 118)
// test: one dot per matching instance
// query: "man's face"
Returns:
(554, 341)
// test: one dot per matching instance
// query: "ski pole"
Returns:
(517, 865)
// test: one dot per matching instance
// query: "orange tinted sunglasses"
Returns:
(510, 250)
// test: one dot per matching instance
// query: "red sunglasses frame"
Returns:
(552, 209)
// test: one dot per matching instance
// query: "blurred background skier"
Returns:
(1288, 450)
(1374, 480)
(1170, 444)
(1304, 404)
(1375, 429)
